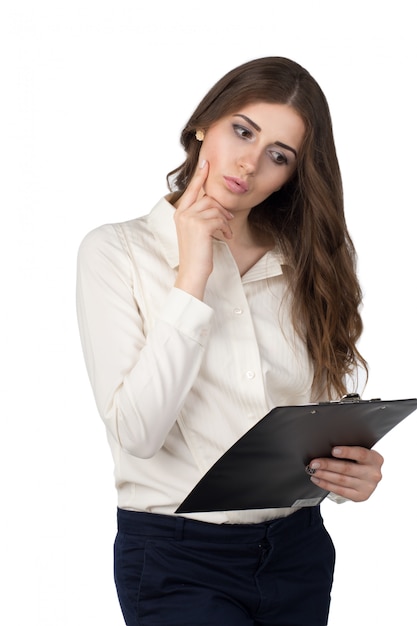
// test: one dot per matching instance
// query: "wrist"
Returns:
(194, 286)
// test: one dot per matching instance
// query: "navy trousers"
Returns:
(173, 571)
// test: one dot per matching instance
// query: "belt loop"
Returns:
(179, 528)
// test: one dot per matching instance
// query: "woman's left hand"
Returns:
(352, 473)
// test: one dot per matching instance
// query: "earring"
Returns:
(199, 135)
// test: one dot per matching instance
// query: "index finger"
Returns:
(353, 454)
(195, 189)
(358, 454)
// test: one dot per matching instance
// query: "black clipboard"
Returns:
(266, 467)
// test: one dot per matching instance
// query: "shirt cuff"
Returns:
(189, 315)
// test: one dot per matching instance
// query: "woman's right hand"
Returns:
(198, 218)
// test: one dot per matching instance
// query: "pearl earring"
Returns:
(199, 135)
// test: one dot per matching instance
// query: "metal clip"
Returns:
(350, 397)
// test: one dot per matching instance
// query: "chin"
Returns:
(228, 200)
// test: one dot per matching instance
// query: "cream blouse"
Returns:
(176, 380)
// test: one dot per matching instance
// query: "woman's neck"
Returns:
(247, 245)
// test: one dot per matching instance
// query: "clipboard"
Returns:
(265, 468)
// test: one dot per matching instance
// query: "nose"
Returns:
(248, 161)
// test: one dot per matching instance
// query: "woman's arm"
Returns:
(140, 383)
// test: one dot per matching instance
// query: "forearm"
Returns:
(151, 395)
(140, 378)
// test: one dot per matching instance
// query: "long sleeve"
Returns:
(139, 382)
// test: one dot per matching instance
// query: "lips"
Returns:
(236, 185)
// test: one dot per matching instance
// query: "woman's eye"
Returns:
(242, 132)
(278, 157)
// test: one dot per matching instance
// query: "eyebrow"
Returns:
(258, 129)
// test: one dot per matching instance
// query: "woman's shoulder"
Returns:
(112, 240)
(107, 233)
(101, 240)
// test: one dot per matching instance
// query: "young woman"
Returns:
(235, 294)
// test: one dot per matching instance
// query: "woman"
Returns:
(235, 294)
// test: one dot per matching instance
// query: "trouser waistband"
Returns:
(179, 528)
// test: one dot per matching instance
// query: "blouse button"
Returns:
(250, 374)
(237, 311)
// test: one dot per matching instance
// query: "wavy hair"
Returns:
(306, 216)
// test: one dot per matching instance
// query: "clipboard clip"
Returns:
(350, 397)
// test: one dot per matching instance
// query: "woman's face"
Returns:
(251, 153)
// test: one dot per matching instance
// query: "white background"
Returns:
(94, 94)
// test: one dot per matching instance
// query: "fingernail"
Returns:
(202, 163)
(310, 470)
(337, 451)
(315, 480)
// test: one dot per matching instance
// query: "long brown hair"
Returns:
(306, 215)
